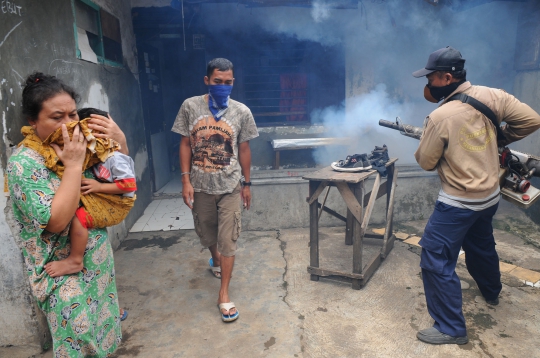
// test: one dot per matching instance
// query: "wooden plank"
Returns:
(317, 192)
(323, 203)
(390, 211)
(323, 273)
(390, 172)
(349, 228)
(389, 246)
(313, 229)
(392, 177)
(358, 235)
(374, 236)
(360, 230)
(338, 278)
(371, 268)
(371, 204)
(329, 174)
(333, 213)
(357, 284)
(381, 192)
(350, 200)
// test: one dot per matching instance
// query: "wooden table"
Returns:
(352, 189)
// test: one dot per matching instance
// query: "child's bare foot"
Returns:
(63, 267)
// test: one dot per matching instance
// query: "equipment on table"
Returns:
(516, 168)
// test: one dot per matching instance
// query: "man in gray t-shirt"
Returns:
(214, 155)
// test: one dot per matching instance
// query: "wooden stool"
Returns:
(352, 189)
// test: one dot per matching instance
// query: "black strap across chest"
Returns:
(482, 108)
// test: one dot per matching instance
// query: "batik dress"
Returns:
(82, 309)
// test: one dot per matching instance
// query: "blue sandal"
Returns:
(124, 315)
(228, 317)
(216, 271)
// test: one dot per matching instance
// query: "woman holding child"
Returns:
(81, 306)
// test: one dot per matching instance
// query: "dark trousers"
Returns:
(448, 229)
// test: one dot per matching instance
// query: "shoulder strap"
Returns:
(482, 108)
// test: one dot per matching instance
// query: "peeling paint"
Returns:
(141, 163)
(4, 129)
(8, 145)
(97, 97)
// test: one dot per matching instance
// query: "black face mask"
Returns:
(439, 93)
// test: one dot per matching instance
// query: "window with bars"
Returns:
(282, 79)
(97, 33)
(276, 84)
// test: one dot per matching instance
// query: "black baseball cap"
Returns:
(445, 59)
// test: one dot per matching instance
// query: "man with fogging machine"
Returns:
(461, 143)
(214, 155)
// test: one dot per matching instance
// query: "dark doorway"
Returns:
(154, 119)
(281, 79)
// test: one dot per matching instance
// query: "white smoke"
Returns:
(320, 11)
(357, 124)
(384, 42)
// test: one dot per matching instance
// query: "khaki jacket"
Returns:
(461, 143)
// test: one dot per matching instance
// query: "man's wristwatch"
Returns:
(246, 183)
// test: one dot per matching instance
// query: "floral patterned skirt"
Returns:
(83, 312)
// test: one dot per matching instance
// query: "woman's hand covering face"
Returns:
(106, 127)
(73, 153)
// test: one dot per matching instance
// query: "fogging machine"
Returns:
(516, 168)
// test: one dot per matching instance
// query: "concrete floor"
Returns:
(164, 281)
(167, 211)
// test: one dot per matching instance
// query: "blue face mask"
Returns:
(218, 99)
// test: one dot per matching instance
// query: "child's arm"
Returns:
(93, 186)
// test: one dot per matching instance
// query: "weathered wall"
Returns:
(527, 82)
(39, 36)
(527, 89)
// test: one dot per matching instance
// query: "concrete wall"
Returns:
(279, 199)
(527, 86)
(39, 36)
(527, 89)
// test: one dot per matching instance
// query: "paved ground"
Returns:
(164, 281)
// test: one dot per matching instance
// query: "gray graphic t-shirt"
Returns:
(214, 145)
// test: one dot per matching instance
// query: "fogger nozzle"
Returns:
(405, 129)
